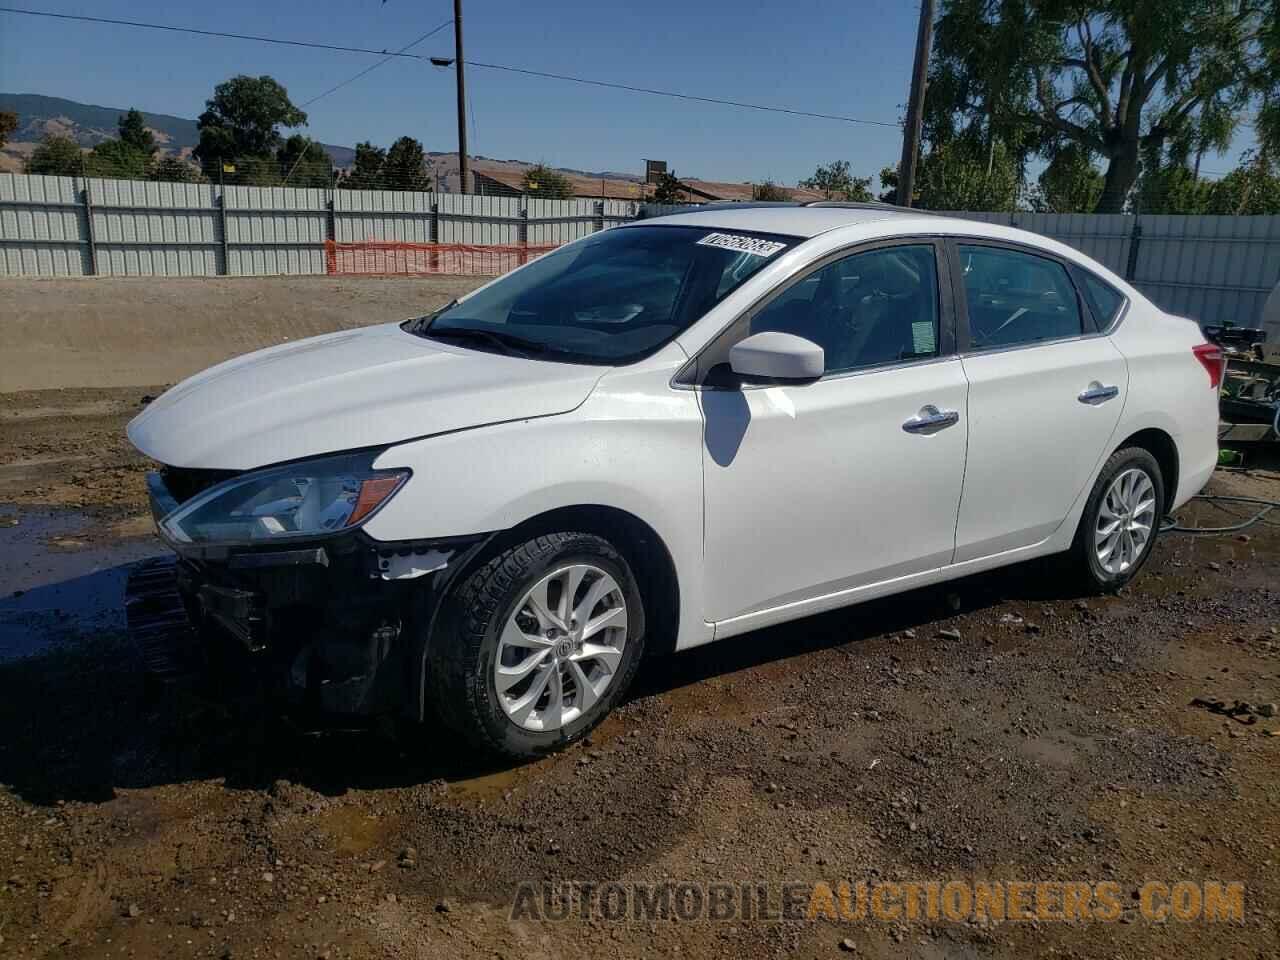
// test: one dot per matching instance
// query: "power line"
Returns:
(387, 59)
(681, 96)
(488, 66)
(207, 33)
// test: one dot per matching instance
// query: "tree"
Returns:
(406, 166)
(836, 182)
(133, 131)
(174, 170)
(1171, 188)
(304, 163)
(57, 156)
(241, 123)
(964, 174)
(115, 158)
(668, 189)
(1251, 189)
(540, 180)
(8, 124)
(1115, 77)
(366, 169)
(770, 192)
(1070, 184)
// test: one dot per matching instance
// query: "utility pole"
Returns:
(462, 96)
(915, 108)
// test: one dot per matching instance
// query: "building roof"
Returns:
(610, 188)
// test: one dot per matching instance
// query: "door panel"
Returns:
(1033, 442)
(817, 488)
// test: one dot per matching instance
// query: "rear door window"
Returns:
(1017, 298)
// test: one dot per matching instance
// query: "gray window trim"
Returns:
(691, 376)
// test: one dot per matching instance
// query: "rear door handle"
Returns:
(930, 420)
(1096, 393)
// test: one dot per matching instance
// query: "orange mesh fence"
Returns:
(453, 259)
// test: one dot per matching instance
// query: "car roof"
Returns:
(793, 219)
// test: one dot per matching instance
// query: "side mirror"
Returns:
(777, 356)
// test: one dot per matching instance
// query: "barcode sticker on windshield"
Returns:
(752, 245)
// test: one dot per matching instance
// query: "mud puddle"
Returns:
(61, 580)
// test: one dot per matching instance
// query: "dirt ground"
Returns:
(68, 333)
(1001, 729)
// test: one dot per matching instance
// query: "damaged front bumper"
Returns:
(335, 625)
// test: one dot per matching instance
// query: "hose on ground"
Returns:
(1171, 524)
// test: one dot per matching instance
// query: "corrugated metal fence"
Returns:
(1212, 268)
(72, 226)
(1215, 269)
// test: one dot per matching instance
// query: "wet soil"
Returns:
(999, 728)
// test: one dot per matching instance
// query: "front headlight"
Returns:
(306, 499)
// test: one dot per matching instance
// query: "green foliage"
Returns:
(304, 163)
(366, 170)
(836, 182)
(115, 158)
(133, 132)
(1252, 189)
(541, 181)
(889, 186)
(1115, 77)
(1172, 189)
(967, 175)
(8, 124)
(770, 192)
(57, 156)
(405, 167)
(1070, 184)
(668, 189)
(174, 170)
(241, 122)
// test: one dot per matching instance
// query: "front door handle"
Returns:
(930, 420)
(1096, 393)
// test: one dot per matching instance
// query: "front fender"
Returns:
(635, 447)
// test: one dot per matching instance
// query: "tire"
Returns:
(490, 608)
(1092, 573)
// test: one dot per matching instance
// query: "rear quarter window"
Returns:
(1104, 300)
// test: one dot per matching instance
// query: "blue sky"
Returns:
(824, 56)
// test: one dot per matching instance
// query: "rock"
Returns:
(1033, 628)
(409, 853)
(848, 946)
(1214, 565)
(392, 898)
(268, 878)
(1243, 537)
(133, 911)
(771, 788)
(1117, 659)
(949, 634)
(444, 906)
(377, 865)
(1011, 618)
(908, 634)
(1266, 710)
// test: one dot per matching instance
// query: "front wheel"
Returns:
(537, 645)
(1120, 522)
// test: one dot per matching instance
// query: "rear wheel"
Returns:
(1120, 522)
(538, 644)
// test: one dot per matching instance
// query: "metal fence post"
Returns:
(88, 219)
(522, 230)
(1135, 241)
(222, 219)
(599, 224)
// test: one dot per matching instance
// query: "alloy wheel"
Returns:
(1126, 519)
(560, 650)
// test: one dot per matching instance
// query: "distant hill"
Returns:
(88, 125)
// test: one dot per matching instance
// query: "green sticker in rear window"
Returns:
(752, 245)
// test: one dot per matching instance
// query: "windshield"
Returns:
(612, 298)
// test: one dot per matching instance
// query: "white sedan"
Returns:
(665, 434)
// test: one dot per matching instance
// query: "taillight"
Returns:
(1210, 356)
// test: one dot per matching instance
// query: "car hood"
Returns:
(343, 391)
